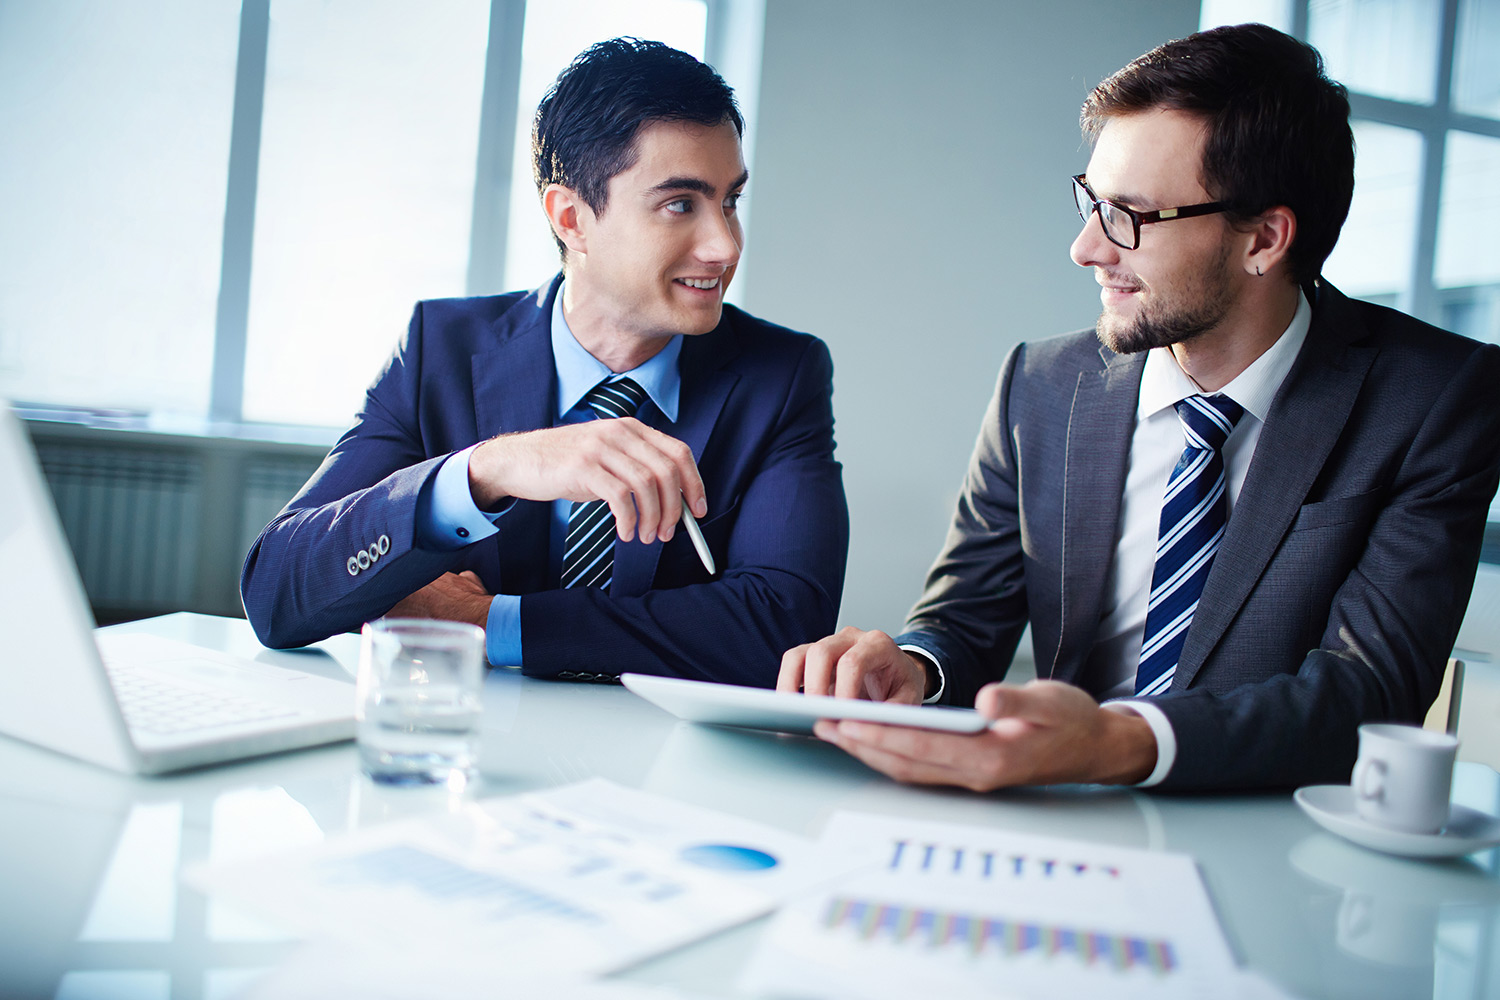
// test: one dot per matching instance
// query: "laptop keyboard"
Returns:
(162, 706)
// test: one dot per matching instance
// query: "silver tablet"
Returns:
(756, 708)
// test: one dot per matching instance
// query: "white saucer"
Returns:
(1332, 808)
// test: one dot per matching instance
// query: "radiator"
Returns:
(131, 517)
(156, 529)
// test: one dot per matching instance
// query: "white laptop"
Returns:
(134, 703)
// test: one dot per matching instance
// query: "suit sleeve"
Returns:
(781, 577)
(1391, 624)
(344, 550)
(973, 608)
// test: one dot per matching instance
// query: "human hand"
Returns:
(1044, 733)
(854, 664)
(642, 474)
(455, 597)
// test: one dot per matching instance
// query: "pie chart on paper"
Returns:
(728, 858)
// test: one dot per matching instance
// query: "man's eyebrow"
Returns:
(1127, 200)
(695, 184)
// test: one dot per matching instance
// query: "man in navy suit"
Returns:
(1249, 521)
(523, 460)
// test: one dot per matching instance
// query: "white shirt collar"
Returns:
(1164, 383)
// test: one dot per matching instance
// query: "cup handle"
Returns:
(1369, 780)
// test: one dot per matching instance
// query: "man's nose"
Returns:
(1092, 248)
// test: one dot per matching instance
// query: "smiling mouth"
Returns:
(1107, 282)
(700, 283)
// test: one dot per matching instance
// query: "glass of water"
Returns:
(418, 705)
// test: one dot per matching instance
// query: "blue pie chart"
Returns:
(728, 858)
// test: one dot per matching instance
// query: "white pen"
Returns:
(691, 524)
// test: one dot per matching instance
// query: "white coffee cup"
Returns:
(1404, 776)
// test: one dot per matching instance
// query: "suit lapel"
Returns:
(1100, 425)
(705, 385)
(514, 383)
(1305, 422)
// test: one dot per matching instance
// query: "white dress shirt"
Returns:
(1155, 447)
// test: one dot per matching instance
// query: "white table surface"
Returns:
(91, 903)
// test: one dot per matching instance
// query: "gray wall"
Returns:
(911, 207)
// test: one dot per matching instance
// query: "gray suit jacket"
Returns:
(1344, 571)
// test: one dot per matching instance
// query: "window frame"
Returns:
(732, 43)
(1434, 123)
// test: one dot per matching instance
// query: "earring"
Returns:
(1258, 273)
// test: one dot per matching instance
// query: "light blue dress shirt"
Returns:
(451, 519)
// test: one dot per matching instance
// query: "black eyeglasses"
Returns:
(1123, 225)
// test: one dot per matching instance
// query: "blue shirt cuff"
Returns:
(502, 633)
(451, 519)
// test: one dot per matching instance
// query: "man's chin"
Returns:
(1137, 337)
(1121, 337)
(707, 324)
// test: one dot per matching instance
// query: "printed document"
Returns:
(964, 911)
(590, 878)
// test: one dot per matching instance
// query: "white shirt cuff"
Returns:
(927, 655)
(1161, 728)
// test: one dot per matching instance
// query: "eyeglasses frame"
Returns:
(1138, 219)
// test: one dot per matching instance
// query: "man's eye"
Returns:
(733, 201)
(681, 206)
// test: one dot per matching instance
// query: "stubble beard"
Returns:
(1202, 306)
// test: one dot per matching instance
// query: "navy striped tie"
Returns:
(589, 552)
(1193, 514)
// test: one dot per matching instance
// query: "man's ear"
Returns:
(1271, 237)
(569, 216)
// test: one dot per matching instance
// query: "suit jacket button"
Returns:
(463, 532)
(353, 566)
(567, 675)
(384, 544)
(363, 558)
(374, 551)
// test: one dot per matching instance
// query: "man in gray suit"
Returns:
(1252, 517)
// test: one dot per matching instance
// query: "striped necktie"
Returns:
(589, 552)
(1193, 514)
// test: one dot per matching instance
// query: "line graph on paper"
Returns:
(976, 936)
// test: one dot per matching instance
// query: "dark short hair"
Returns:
(1278, 127)
(585, 128)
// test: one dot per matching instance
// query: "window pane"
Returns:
(366, 189)
(1387, 48)
(556, 31)
(1276, 13)
(1476, 65)
(116, 125)
(1467, 271)
(1373, 258)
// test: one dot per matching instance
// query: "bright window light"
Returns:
(366, 192)
(557, 31)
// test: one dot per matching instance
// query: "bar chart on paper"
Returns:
(975, 936)
(957, 911)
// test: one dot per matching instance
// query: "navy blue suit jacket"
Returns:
(756, 409)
